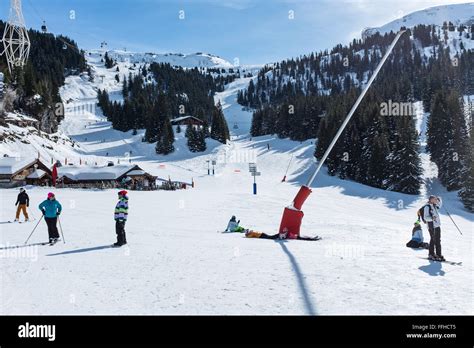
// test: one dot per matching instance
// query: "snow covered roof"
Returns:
(136, 172)
(12, 165)
(37, 174)
(182, 118)
(84, 173)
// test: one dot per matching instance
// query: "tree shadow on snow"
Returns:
(85, 250)
(433, 269)
(300, 278)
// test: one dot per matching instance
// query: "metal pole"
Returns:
(354, 107)
(34, 229)
(447, 212)
(61, 228)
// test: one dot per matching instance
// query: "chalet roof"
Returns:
(182, 118)
(37, 174)
(84, 173)
(136, 172)
(12, 165)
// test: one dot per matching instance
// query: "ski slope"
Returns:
(177, 262)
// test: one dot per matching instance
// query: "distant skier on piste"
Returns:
(120, 216)
(51, 210)
(285, 234)
(429, 213)
(23, 202)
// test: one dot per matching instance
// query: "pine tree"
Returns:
(219, 128)
(164, 145)
(404, 164)
(467, 191)
(448, 139)
(200, 140)
(190, 134)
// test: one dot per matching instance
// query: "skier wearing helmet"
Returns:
(120, 216)
(51, 209)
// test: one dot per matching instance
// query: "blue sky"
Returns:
(254, 31)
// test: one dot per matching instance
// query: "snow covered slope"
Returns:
(456, 14)
(177, 263)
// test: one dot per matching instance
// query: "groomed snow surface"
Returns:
(178, 262)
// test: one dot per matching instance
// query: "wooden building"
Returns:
(187, 121)
(18, 171)
(126, 176)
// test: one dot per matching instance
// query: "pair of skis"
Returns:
(454, 263)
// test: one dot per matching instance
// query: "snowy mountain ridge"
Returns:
(457, 14)
(199, 59)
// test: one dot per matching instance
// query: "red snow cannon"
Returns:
(292, 215)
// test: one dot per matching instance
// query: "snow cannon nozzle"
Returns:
(301, 197)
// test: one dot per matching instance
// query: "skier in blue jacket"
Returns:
(51, 209)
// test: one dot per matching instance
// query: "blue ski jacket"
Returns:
(51, 208)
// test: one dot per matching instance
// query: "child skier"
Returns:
(430, 215)
(417, 237)
(23, 201)
(233, 225)
(120, 216)
(51, 210)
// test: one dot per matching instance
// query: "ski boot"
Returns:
(432, 258)
(440, 258)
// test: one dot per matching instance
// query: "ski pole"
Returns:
(447, 212)
(61, 228)
(31, 213)
(34, 229)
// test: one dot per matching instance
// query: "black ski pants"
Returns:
(52, 227)
(120, 230)
(435, 240)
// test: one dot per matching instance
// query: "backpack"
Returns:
(421, 213)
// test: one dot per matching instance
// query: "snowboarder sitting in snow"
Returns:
(417, 237)
(51, 209)
(23, 201)
(285, 234)
(429, 213)
(233, 225)
(120, 216)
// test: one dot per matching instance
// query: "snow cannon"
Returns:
(293, 215)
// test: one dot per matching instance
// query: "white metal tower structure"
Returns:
(16, 43)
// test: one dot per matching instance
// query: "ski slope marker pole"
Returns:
(447, 212)
(34, 229)
(61, 228)
(354, 107)
(284, 178)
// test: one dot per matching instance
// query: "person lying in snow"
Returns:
(284, 235)
(417, 237)
(233, 225)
